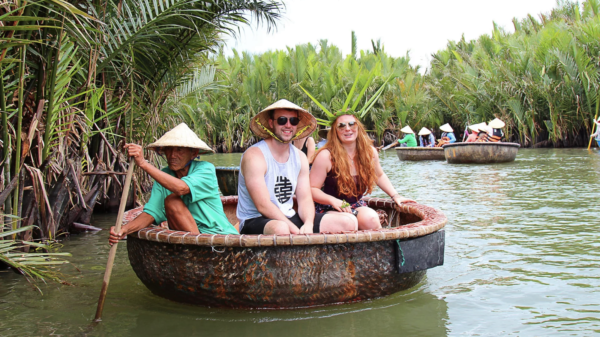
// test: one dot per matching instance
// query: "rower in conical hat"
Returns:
(448, 136)
(180, 136)
(483, 133)
(473, 135)
(426, 138)
(596, 135)
(185, 193)
(497, 134)
(409, 137)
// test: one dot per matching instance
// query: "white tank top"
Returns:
(281, 180)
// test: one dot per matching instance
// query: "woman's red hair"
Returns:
(364, 160)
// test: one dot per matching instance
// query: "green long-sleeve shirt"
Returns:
(409, 139)
(203, 201)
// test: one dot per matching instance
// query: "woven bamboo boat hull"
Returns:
(228, 179)
(480, 153)
(420, 153)
(289, 271)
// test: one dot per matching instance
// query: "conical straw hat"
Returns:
(323, 133)
(424, 132)
(497, 124)
(446, 128)
(180, 136)
(474, 127)
(259, 124)
(407, 129)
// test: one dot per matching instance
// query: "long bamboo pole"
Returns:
(113, 249)
(594, 124)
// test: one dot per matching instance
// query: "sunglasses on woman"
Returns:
(352, 125)
(283, 120)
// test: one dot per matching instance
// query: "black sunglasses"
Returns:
(352, 125)
(283, 120)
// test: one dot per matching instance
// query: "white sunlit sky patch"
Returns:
(419, 27)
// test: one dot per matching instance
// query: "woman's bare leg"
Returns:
(367, 218)
(336, 222)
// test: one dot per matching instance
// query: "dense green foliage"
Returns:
(252, 82)
(78, 78)
(542, 80)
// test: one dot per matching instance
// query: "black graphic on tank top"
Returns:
(283, 189)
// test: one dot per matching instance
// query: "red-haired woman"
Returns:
(345, 169)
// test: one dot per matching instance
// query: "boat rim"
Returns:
(482, 144)
(227, 168)
(432, 220)
(418, 148)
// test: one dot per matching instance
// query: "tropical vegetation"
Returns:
(541, 79)
(79, 78)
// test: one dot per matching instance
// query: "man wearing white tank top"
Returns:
(273, 171)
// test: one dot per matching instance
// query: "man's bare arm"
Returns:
(254, 168)
(306, 206)
(142, 221)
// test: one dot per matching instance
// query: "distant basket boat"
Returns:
(289, 271)
(228, 179)
(480, 153)
(420, 153)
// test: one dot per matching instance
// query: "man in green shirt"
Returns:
(409, 137)
(185, 194)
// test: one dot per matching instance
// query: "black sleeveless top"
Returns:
(330, 187)
(304, 147)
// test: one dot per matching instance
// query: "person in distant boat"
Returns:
(272, 171)
(426, 138)
(497, 134)
(409, 137)
(597, 133)
(473, 135)
(482, 136)
(185, 194)
(447, 135)
(323, 135)
(307, 146)
(347, 168)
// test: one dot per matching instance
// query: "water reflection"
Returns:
(522, 250)
(415, 313)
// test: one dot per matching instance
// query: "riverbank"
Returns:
(521, 252)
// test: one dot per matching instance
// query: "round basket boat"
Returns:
(228, 179)
(480, 153)
(289, 271)
(420, 153)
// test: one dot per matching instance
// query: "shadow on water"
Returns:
(522, 250)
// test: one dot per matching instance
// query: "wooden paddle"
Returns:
(113, 249)
(389, 146)
(593, 125)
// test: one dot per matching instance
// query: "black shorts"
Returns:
(257, 225)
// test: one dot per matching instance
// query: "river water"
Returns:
(522, 255)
